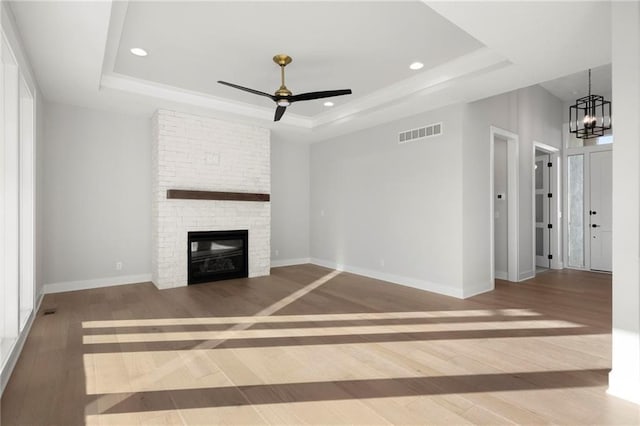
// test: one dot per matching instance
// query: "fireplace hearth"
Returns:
(217, 255)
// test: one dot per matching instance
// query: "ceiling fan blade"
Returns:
(279, 113)
(246, 89)
(319, 95)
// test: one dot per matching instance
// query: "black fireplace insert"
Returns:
(218, 255)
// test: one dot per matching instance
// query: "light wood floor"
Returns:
(308, 346)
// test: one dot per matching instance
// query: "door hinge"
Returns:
(549, 195)
(550, 226)
(550, 257)
(549, 164)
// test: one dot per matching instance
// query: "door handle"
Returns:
(595, 226)
(591, 213)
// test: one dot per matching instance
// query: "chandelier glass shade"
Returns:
(590, 116)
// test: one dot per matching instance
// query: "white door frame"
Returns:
(555, 185)
(586, 152)
(27, 255)
(512, 201)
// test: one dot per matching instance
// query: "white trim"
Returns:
(95, 283)
(10, 183)
(290, 262)
(501, 275)
(398, 279)
(12, 359)
(463, 68)
(479, 62)
(9, 31)
(175, 94)
(27, 191)
(513, 192)
(474, 290)
(555, 187)
(469, 66)
(117, 17)
(526, 275)
(586, 152)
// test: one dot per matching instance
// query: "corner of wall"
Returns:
(471, 290)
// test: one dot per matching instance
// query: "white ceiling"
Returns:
(363, 46)
(574, 86)
(79, 51)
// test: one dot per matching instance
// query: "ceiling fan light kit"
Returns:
(283, 97)
(590, 116)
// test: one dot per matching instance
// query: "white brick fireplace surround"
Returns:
(198, 153)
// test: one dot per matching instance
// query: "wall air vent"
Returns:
(422, 133)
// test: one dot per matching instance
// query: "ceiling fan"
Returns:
(283, 97)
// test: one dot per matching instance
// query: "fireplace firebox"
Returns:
(218, 255)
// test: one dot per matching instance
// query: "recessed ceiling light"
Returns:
(416, 65)
(328, 104)
(139, 51)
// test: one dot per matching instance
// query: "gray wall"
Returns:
(289, 201)
(415, 213)
(500, 111)
(418, 213)
(534, 115)
(95, 191)
(388, 210)
(95, 194)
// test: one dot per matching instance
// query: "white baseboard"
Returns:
(527, 275)
(557, 264)
(12, 359)
(95, 283)
(396, 279)
(290, 262)
(470, 291)
(502, 275)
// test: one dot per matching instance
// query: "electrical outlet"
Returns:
(118, 266)
(382, 262)
(276, 252)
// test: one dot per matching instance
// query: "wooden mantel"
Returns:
(183, 194)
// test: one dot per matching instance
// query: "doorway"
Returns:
(501, 208)
(503, 204)
(546, 208)
(589, 206)
(542, 171)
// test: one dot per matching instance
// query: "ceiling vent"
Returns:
(422, 133)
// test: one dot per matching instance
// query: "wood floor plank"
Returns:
(293, 349)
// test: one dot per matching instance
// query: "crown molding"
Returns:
(174, 94)
(114, 34)
(442, 77)
(477, 62)
(468, 66)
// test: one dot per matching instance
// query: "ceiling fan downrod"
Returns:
(282, 61)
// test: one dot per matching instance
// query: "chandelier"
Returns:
(590, 116)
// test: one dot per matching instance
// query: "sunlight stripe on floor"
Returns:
(261, 318)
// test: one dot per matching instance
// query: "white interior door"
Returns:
(600, 179)
(542, 211)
